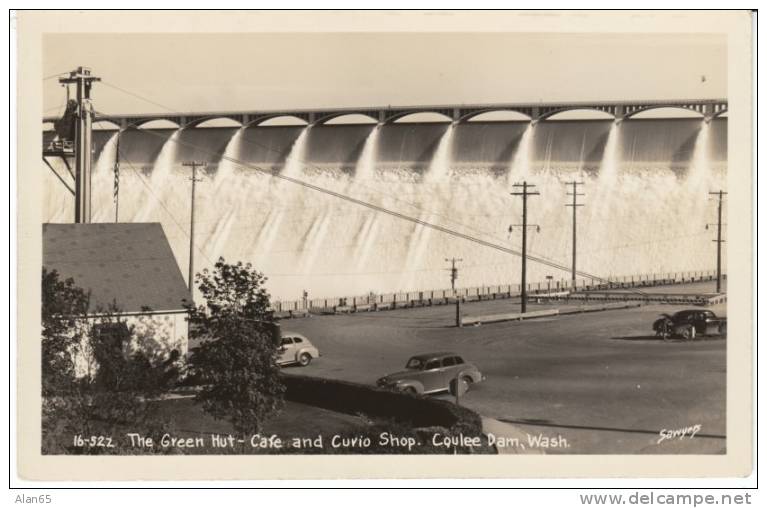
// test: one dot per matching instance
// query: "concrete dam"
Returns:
(646, 184)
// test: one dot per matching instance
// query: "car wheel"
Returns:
(305, 359)
(688, 333)
(410, 390)
(468, 380)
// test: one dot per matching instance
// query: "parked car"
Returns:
(295, 348)
(689, 324)
(431, 373)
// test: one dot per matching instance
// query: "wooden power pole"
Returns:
(720, 196)
(193, 165)
(453, 271)
(453, 277)
(575, 206)
(524, 193)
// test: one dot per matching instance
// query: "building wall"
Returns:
(158, 334)
(154, 334)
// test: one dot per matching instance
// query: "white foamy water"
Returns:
(644, 183)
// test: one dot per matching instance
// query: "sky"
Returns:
(221, 72)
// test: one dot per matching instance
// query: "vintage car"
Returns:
(431, 373)
(295, 348)
(689, 324)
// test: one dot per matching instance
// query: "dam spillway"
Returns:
(646, 183)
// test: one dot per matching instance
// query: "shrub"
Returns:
(111, 390)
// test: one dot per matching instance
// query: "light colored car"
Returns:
(296, 348)
(432, 373)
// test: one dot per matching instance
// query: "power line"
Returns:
(46, 78)
(269, 148)
(122, 156)
(283, 153)
(443, 229)
(380, 209)
(139, 96)
(584, 274)
(357, 182)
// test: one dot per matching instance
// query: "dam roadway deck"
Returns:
(601, 380)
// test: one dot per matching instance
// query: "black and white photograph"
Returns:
(479, 243)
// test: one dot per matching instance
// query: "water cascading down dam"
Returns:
(646, 183)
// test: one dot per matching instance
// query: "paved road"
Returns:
(600, 380)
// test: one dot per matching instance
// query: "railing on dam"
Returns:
(388, 301)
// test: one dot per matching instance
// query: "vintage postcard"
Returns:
(384, 244)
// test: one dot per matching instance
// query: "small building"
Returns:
(130, 270)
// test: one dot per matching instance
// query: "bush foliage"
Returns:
(92, 384)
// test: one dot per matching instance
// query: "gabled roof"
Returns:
(131, 264)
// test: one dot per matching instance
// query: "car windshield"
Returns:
(414, 364)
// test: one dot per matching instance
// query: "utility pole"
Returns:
(720, 194)
(453, 277)
(193, 165)
(117, 179)
(453, 271)
(524, 193)
(83, 80)
(575, 206)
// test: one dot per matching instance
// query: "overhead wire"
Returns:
(51, 76)
(490, 235)
(283, 153)
(372, 206)
(386, 211)
(122, 157)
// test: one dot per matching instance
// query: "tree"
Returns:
(64, 312)
(236, 360)
(92, 383)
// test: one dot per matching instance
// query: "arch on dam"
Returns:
(580, 114)
(215, 121)
(435, 116)
(155, 123)
(480, 115)
(278, 119)
(545, 113)
(636, 111)
(363, 117)
(666, 112)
